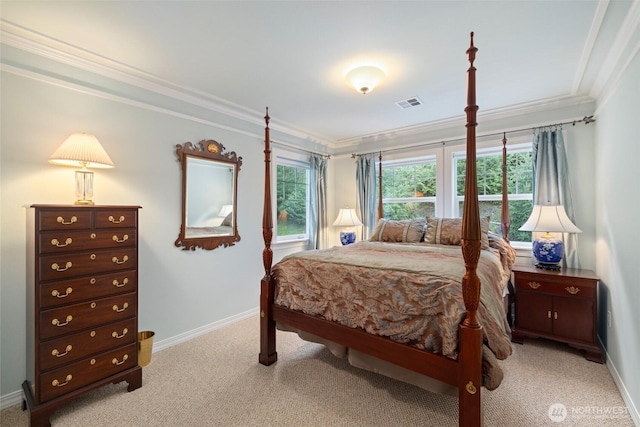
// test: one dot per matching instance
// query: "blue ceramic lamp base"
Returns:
(548, 252)
(347, 237)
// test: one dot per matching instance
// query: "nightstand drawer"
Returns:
(578, 289)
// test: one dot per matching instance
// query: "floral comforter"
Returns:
(410, 293)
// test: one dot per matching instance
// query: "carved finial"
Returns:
(472, 50)
(266, 117)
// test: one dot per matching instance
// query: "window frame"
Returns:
(492, 147)
(282, 158)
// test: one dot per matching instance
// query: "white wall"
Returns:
(617, 208)
(180, 291)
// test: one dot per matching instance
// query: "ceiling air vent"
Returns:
(408, 103)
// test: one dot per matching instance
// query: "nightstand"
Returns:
(557, 305)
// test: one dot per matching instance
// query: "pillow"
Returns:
(227, 220)
(403, 231)
(448, 231)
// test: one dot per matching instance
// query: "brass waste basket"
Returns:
(145, 347)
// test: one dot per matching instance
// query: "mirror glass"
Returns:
(209, 190)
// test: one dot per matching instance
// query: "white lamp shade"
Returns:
(81, 149)
(365, 78)
(347, 218)
(226, 210)
(552, 219)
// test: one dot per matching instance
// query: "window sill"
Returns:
(291, 244)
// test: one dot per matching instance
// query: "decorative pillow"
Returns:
(227, 220)
(403, 231)
(448, 231)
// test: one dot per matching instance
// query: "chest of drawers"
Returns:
(82, 303)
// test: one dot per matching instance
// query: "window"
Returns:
(489, 172)
(292, 199)
(432, 186)
(409, 188)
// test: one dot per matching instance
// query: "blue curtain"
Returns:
(551, 184)
(366, 183)
(318, 202)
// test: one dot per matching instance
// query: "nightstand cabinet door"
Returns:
(534, 312)
(573, 318)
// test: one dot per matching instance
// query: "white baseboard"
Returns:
(194, 333)
(16, 397)
(11, 399)
(631, 407)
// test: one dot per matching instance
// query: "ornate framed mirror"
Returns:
(209, 194)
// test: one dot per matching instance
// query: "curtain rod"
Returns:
(585, 119)
(293, 147)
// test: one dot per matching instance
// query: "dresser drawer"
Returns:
(64, 219)
(89, 287)
(63, 266)
(72, 240)
(60, 351)
(71, 377)
(118, 218)
(76, 317)
(576, 288)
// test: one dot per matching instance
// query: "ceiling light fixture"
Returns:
(363, 79)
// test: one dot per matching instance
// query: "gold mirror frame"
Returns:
(209, 158)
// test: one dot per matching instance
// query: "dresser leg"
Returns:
(135, 379)
(594, 356)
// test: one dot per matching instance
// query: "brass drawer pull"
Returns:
(534, 285)
(62, 221)
(124, 238)
(57, 244)
(572, 290)
(57, 383)
(57, 294)
(115, 334)
(118, 284)
(56, 322)
(56, 353)
(116, 221)
(555, 315)
(124, 359)
(117, 261)
(549, 314)
(56, 267)
(120, 310)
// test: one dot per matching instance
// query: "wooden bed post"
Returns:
(470, 357)
(268, 354)
(505, 217)
(380, 210)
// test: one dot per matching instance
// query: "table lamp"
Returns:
(83, 150)
(547, 249)
(347, 218)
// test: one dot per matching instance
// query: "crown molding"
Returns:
(46, 47)
(623, 40)
(488, 116)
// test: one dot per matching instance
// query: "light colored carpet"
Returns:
(216, 380)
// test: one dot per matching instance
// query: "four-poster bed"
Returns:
(456, 348)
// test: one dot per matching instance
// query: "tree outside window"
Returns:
(409, 189)
(292, 188)
(489, 172)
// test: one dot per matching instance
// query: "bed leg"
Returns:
(268, 354)
(470, 386)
